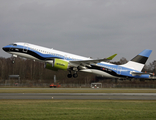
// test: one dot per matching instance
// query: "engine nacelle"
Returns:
(57, 64)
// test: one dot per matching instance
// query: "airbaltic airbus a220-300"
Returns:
(58, 60)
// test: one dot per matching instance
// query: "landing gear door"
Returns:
(25, 48)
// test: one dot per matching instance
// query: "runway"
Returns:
(80, 96)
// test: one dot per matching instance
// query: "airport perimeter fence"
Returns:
(46, 85)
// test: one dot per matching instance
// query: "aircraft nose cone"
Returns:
(5, 48)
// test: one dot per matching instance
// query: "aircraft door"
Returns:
(119, 69)
(65, 57)
(25, 48)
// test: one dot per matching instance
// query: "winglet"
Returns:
(111, 57)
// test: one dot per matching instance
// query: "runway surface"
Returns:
(80, 96)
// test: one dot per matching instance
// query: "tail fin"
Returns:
(138, 62)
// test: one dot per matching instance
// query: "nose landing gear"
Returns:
(13, 61)
(13, 58)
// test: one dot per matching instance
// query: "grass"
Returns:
(77, 110)
(73, 90)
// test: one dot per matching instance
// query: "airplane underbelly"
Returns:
(102, 73)
(24, 55)
(98, 72)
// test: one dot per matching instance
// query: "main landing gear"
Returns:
(13, 58)
(75, 75)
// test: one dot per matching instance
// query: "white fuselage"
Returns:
(44, 54)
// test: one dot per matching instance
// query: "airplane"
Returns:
(59, 60)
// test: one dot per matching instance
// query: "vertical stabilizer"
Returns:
(138, 62)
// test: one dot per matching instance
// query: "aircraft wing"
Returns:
(91, 62)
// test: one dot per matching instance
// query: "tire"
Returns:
(69, 75)
(75, 75)
(13, 61)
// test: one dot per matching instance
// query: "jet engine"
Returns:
(57, 64)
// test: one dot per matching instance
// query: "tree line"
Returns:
(30, 70)
(35, 71)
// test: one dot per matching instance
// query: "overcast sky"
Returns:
(91, 28)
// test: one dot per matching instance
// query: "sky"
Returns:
(91, 28)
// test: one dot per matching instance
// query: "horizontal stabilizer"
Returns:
(140, 73)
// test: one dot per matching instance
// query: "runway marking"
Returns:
(91, 96)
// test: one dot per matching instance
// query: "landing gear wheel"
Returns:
(75, 75)
(13, 61)
(69, 75)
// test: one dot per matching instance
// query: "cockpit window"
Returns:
(14, 44)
